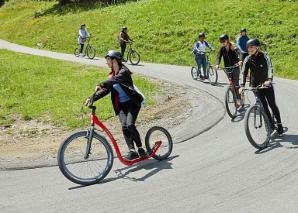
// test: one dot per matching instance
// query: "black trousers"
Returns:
(234, 76)
(267, 97)
(123, 48)
(82, 47)
(128, 115)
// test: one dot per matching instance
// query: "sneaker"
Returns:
(280, 129)
(131, 155)
(142, 152)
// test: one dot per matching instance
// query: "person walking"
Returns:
(123, 40)
(241, 44)
(82, 37)
(199, 50)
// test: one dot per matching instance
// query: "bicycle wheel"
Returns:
(134, 57)
(257, 128)
(76, 52)
(230, 103)
(213, 76)
(194, 73)
(81, 170)
(90, 51)
(157, 133)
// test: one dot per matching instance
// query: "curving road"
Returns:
(213, 170)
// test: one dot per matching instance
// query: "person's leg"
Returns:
(262, 97)
(270, 96)
(132, 114)
(81, 49)
(198, 61)
(123, 47)
(204, 64)
(133, 111)
(236, 73)
(125, 131)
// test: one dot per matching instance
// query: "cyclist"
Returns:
(126, 101)
(82, 36)
(123, 40)
(229, 54)
(241, 43)
(199, 50)
(260, 67)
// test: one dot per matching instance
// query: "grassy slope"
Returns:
(164, 30)
(51, 90)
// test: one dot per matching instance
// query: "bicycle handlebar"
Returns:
(255, 88)
(229, 69)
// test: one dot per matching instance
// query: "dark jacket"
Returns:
(123, 37)
(260, 67)
(230, 57)
(123, 78)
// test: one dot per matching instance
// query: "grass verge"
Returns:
(53, 91)
(164, 31)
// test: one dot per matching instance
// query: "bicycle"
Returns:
(211, 73)
(86, 157)
(89, 50)
(132, 55)
(257, 126)
(231, 95)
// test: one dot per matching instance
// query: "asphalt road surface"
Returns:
(213, 169)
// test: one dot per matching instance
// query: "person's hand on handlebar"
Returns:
(216, 66)
(267, 83)
(88, 102)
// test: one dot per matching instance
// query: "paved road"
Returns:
(215, 171)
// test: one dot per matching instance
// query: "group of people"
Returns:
(248, 57)
(127, 103)
(123, 38)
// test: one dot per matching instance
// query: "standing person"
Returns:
(241, 43)
(261, 72)
(229, 54)
(82, 36)
(123, 40)
(125, 100)
(199, 51)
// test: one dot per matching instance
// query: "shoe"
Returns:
(280, 129)
(142, 152)
(132, 155)
(202, 77)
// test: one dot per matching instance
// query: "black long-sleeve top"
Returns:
(260, 67)
(230, 57)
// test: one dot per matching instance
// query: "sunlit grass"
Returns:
(51, 90)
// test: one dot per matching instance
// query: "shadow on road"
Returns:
(218, 84)
(152, 165)
(241, 113)
(278, 142)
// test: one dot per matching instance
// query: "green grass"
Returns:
(164, 30)
(53, 91)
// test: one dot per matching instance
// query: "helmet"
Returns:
(253, 42)
(124, 28)
(201, 35)
(223, 37)
(243, 30)
(114, 54)
(83, 25)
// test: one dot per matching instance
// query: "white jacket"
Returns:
(83, 33)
